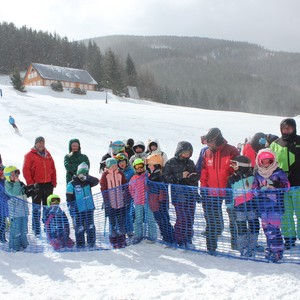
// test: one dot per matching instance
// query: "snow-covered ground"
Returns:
(141, 271)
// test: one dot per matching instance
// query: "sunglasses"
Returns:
(55, 201)
(17, 172)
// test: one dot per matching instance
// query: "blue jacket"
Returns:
(79, 193)
(11, 120)
(57, 224)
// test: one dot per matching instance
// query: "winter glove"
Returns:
(29, 190)
(36, 187)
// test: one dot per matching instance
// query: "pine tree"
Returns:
(16, 80)
(131, 72)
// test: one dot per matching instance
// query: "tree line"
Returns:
(22, 46)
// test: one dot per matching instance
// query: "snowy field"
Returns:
(139, 271)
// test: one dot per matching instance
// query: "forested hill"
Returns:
(216, 74)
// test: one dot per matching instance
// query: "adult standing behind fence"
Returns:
(287, 150)
(214, 175)
(74, 158)
(40, 175)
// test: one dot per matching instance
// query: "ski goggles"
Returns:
(16, 172)
(139, 166)
(55, 201)
(236, 164)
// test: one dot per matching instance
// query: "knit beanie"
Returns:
(110, 162)
(39, 139)
(83, 168)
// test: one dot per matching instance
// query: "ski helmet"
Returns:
(122, 156)
(265, 154)
(155, 159)
(9, 170)
(53, 199)
(117, 147)
(241, 164)
(137, 162)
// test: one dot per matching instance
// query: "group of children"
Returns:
(253, 195)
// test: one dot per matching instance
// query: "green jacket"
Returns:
(73, 160)
(288, 157)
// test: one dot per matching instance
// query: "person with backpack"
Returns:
(81, 206)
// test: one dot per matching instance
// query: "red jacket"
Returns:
(38, 168)
(216, 168)
(250, 153)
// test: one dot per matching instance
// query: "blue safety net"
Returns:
(259, 225)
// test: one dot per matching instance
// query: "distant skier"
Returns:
(12, 122)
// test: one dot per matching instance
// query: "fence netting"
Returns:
(260, 225)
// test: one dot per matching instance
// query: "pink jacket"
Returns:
(137, 188)
(111, 187)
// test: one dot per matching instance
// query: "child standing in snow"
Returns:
(57, 224)
(18, 209)
(268, 178)
(137, 189)
(114, 196)
(81, 205)
(241, 200)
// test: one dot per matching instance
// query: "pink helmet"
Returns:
(265, 154)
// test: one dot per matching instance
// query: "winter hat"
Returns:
(83, 168)
(214, 134)
(130, 142)
(110, 162)
(53, 199)
(39, 139)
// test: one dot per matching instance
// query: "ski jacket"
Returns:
(57, 224)
(288, 157)
(38, 168)
(3, 200)
(11, 121)
(79, 193)
(17, 203)
(137, 188)
(239, 190)
(250, 153)
(128, 172)
(141, 155)
(113, 188)
(173, 173)
(270, 199)
(73, 159)
(216, 168)
(157, 193)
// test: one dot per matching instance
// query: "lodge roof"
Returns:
(63, 74)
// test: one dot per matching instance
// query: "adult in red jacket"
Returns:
(215, 173)
(40, 175)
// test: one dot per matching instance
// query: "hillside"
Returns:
(216, 74)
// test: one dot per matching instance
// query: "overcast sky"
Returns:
(273, 24)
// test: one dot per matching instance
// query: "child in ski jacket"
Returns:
(158, 197)
(81, 205)
(241, 199)
(57, 224)
(18, 209)
(181, 172)
(137, 189)
(269, 180)
(127, 169)
(115, 199)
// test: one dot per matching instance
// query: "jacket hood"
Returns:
(158, 150)
(74, 141)
(290, 122)
(139, 143)
(183, 146)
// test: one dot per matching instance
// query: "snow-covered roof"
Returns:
(64, 74)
